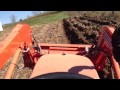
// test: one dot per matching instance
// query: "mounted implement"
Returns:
(59, 61)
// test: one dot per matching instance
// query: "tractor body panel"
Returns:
(65, 63)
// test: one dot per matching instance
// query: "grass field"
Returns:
(46, 18)
(42, 19)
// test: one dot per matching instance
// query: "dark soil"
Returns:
(85, 29)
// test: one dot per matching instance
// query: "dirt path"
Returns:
(50, 33)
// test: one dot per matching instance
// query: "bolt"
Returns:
(64, 53)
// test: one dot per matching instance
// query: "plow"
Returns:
(59, 61)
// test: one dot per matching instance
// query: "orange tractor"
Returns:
(59, 61)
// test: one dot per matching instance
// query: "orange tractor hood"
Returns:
(51, 63)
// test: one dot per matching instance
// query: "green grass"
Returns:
(42, 19)
(48, 18)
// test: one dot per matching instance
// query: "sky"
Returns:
(5, 15)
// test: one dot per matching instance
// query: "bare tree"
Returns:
(13, 18)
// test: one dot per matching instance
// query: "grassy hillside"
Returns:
(42, 19)
(56, 16)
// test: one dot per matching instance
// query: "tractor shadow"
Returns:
(77, 69)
